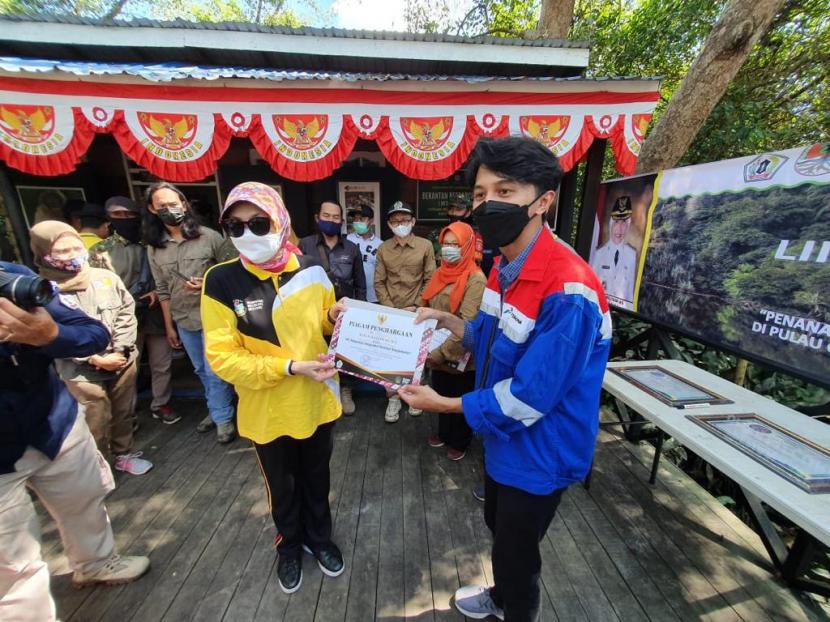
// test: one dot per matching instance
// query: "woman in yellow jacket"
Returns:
(265, 315)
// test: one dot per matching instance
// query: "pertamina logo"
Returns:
(169, 131)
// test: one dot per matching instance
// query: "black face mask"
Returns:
(500, 223)
(171, 218)
(127, 228)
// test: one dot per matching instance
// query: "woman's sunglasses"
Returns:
(259, 225)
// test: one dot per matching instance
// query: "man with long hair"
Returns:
(180, 251)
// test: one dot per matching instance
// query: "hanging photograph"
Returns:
(354, 194)
(41, 203)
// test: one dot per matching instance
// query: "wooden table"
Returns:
(810, 512)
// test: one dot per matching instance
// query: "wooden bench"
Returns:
(759, 485)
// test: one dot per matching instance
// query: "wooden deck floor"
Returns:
(411, 533)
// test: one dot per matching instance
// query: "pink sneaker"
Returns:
(133, 464)
(435, 441)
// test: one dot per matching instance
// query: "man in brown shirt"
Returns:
(405, 265)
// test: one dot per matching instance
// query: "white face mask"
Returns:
(257, 248)
(402, 230)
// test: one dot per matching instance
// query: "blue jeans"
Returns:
(219, 393)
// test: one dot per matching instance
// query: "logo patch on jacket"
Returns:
(239, 308)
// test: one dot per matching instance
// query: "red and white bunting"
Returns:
(99, 117)
(627, 144)
(303, 133)
(175, 146)
(303, 147)
(427, 147)
(490, 124)
(564, 135)
(40, 139)
(366, 124)
(239, 123)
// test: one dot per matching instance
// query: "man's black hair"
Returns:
(320, 206)
(153, 231)
(517, 159)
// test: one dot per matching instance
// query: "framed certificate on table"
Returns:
(668, 387)
(791, 456)
(380, 344)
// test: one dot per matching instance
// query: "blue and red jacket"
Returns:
(541, 348)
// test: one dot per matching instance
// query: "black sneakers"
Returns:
(329, 558)
(290, 573)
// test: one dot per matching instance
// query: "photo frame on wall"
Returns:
(352, 194)
(46, 202)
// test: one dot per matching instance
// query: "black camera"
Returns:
(24, 290)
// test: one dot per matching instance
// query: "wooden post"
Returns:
(590, 193)
(15, 211)
(565, 207)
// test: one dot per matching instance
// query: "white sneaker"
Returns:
(346, 400)
(132, 463)
(116, 571)
(393, 409)
(415, 412)
(474, 602)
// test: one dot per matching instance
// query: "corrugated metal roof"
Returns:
(167, 72)
(341, 33)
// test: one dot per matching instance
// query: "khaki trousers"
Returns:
(72, 487)
(160, 359)
(109, 408)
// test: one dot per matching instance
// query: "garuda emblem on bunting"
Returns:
(169, 131)
(427, 135)
(636, 132)
(30, 129)
(548, 130)
(302, 133)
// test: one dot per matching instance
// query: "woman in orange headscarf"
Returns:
(456, 287)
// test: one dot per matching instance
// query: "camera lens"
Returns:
(25, 291)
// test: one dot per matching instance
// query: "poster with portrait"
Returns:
(354, 194)
(618, 236)
(735, 253)
(47, 203)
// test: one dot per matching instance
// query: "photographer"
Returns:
(46, 446)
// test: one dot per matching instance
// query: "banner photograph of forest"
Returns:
(737, 253)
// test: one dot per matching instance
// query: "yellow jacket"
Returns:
(255, 322)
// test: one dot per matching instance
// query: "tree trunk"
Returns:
(742, 24)
(116, 9)
(555, 19)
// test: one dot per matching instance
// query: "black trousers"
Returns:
(297, 479)
(453, 428)
(518, 521)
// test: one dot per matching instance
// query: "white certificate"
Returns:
(380, 344)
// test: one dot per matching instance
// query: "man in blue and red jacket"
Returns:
(541, 343)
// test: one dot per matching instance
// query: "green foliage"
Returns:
(81, 8)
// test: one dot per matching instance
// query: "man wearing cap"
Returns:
(615, 262)
(124, 254)
(405, 265)
(363, 235)
(94, 226)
